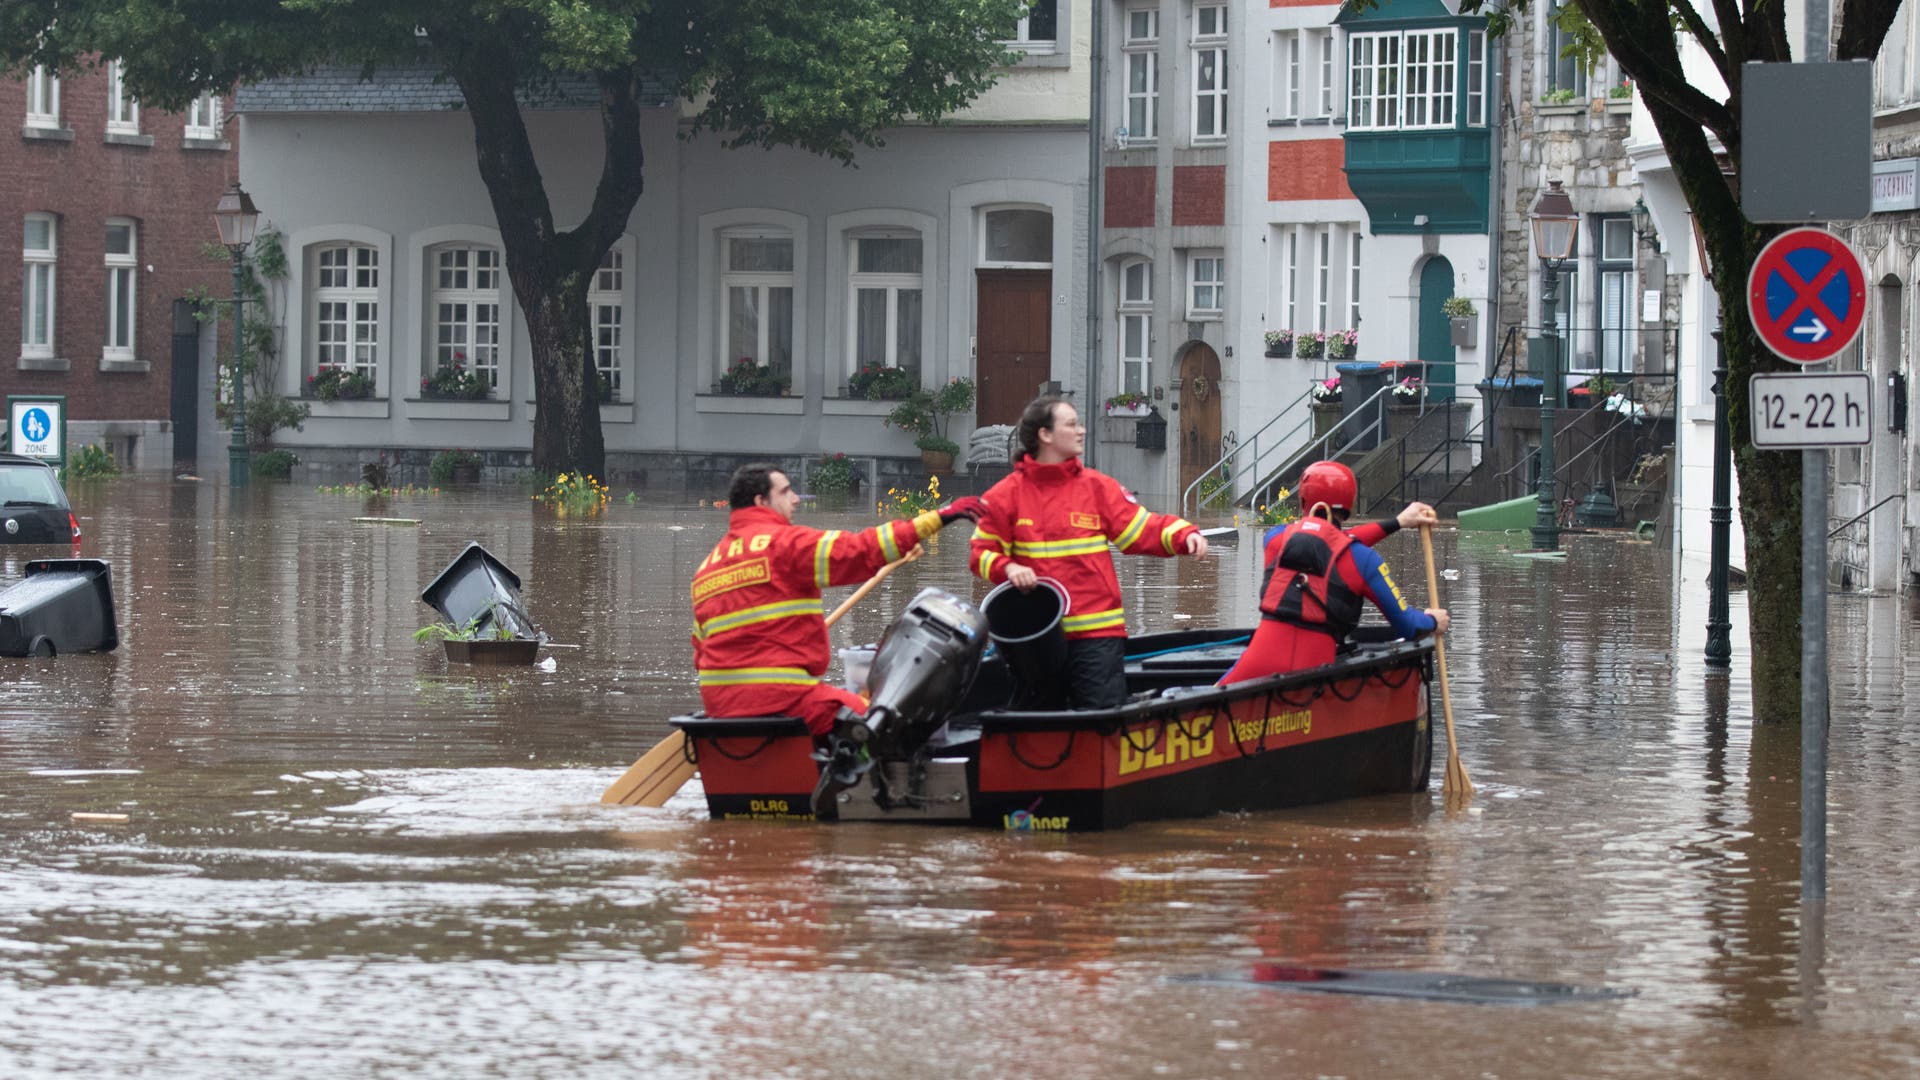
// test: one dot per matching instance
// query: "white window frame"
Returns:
(1373, 81)
(1323, 280)
(1476, 78)
(43, 98)
(1353, 279)
(893, 284)
(346, 274)
(1327, 83)
(1288, 84)
(762, 282)
(607, 308)
(1587, 83)
(123, 112)
(39, 291)
(469, 275)
(1429, 68)
(1023, 38)
(1134, 311)
(1614, 322)
(1209, 101)
(203, 116)
(1141, 54)
(1206, 281)
(1290, 280)
(985, 263)
(122, 294)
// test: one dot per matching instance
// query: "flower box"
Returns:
(1128, 411)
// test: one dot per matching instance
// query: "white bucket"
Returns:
(855, 663)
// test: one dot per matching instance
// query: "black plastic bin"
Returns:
(62, 606)
(478, 588)
(1359, 381)
(1026, 628)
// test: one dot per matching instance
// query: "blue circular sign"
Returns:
(36, 425)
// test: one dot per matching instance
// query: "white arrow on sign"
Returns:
(1816, 332)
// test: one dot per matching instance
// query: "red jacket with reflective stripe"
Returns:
(756, 597)
(1059, 520)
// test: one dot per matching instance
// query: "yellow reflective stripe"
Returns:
(887, 545)
(984, 565)
(822, 552)
(1060, 549)
(1133, 530)
(1167, 534)
(756, 676)
(1094, 620)
(734, 620)
(982, 534)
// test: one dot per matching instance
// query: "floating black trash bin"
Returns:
(63, 606)
(1026, 627)
(1358, 383)
(478, 588)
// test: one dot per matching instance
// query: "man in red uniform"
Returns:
(1055, 517)
(759, 637)
(1318, 576)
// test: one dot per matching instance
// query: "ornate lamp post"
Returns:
(1720, 514)
(1554, 226)
(234, 215)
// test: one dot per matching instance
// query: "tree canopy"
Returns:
(826, 76)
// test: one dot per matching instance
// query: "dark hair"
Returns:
(1037, 416)
(749, 482)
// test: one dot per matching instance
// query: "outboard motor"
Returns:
(925, 664)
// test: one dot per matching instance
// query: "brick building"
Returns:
(106, 209)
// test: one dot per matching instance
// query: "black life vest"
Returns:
(1303, 587)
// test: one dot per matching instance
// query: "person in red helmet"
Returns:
(1319, 576)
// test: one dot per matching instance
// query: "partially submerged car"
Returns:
(33, 506)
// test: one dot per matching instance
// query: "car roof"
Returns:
(22, 459)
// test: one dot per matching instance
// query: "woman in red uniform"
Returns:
(1055, 517)
(1318, 577)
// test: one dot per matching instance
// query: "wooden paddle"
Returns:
(1456, 785)
(667, 767)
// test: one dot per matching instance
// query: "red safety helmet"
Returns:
(1328, 482)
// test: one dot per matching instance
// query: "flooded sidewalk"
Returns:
(346, 857)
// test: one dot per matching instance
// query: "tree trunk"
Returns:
(566, 427)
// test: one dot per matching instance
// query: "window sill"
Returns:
(835, 406)
(195, 143)
(1571, 108)
(764, 406)
(45, 363)
(131, 367)
(1211, 142)
(127, 138)
(350, 409)
(611, 412)
(1321, 121)
(1037, 55)
(436, 409)
(1284, 122)
(1620, 105)
(47, 134)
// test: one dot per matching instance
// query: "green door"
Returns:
(1435, 346)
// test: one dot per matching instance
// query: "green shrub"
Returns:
(275, 464)
(91, 462)
(833, 475)
(440, 469)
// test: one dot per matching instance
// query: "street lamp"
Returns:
(234, 215)
(1554, 227)
(1643, 221)
(1720, 514)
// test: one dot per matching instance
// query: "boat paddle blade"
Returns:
(653, 779)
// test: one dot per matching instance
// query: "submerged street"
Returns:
(346, 857)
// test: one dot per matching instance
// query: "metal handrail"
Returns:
(1321, 447)
(1252, 444)
(1862, 515)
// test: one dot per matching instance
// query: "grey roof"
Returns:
(410, 89)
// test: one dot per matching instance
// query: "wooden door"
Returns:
(1435, 346)
(1199, 421)
(1015, 334)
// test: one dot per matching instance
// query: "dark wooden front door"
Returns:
(1199, 412)
(1015, 332)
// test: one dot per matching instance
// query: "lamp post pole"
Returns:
(1546, 525)
(1720, 518)
(239, 455)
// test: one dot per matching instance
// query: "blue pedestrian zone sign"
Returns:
(37, 427)
(1807, 295)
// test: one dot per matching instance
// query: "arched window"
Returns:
(885, 300)
(40, 253)
(346, 307)
(756, 282)
(1136, 326)
(465, 305)
(604, 299)
(122, 268)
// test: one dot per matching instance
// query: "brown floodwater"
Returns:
(346, 858)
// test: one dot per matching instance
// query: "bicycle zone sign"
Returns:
(1807, 295)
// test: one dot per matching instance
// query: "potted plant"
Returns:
(1279, 343)
(338, 383)
(454, 382)
(877, 382)
(1129, 404)
(1343, 344)
(454, 467)
(468, 644)
(607, 396)
(1310, 344)
(1463, 319)
(1408, 391)
(832, 475)
(749, 378)
(924, 412)
(1324, 402)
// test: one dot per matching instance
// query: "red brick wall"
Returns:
(1129, 197)
(1307, 169)
(169, 191)
(1199, 194)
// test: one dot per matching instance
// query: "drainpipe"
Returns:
(1096, 125)
(1496, 116)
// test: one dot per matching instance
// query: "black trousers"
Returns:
(1096, 672)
